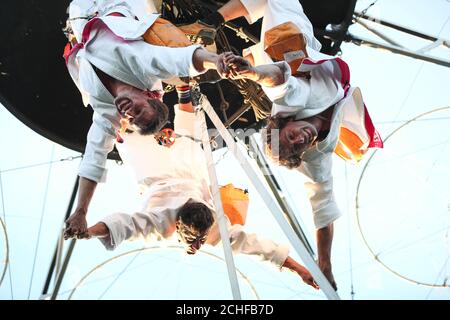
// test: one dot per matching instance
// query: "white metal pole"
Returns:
(266, 196)
(220, 217)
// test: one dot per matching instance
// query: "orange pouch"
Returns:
(164, 33)
(286, 42)
(235, 203)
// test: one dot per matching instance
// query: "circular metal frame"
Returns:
(358, 201)
(174, 247)
(6, 263)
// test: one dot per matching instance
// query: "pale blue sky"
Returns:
(404, 197)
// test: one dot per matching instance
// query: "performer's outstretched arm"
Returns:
(236, 67)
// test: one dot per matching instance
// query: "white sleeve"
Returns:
(255, 9)
(123, 226)
(165, 62)
(291, 96)
(319, 186)
(251, 244)
(186, 123)
(99, 144)
(133, 61)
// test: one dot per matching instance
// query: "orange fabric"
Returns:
(235, 203)
(164, 33)
(286, 42)
(349, 146)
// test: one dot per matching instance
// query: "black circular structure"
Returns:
(36, 87)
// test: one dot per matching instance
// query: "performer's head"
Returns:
(286, 139)
(148, 113)
(193, 224)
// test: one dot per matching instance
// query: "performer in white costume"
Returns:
(177, 198)
(312, 104)
(119, 75)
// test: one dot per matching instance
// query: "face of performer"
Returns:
(191, 237)
(136, 106)
(299, 133)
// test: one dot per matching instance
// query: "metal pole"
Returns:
(405, 52)
(282, 202)
(400, 28)
(51, 269)
(273, 207)
(63, 269)
(220, 217)
(379, 34)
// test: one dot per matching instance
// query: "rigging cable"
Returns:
(352, 291)
(41, 220)
(119, 274)
(365, 10)
(444, 267)
(357, 206)
(411, 87)
(71, 158)
(154, 248)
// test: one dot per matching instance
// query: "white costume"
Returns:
(114, 45)
(172, 176)
(305, 98)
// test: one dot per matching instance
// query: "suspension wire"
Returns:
(352, 291)
(154, 248)
(358, 207)
(444, 267)
(119, 275)
(365, 10)
(255, 264)
(221, 157)
(389, 242)
(446, 142)
(408, 154)
(71, 158)
(7, 262)
(287, 191)
(40, 222)
(411, 87)
(437, 159)
(400, 246)
(418, 120)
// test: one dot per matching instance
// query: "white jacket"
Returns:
(170, 177)
(115, 46)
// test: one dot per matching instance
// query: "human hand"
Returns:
(221, 67)
(238, 67)
(307, 277)
(76, 226)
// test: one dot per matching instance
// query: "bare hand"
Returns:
(76, 226)
(221, 67)
(307, 277)
(238, 67)
(296, 267)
